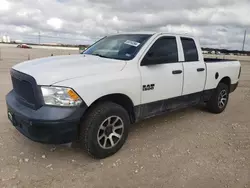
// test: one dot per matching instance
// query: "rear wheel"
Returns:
(104, 130)
(219, 99)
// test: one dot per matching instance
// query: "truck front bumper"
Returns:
(48, 124)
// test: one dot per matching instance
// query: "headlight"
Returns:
(60, 96)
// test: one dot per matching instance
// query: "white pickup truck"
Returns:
(94, 97)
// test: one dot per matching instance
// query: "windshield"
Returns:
(123, 47)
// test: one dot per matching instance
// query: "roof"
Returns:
(154, 33)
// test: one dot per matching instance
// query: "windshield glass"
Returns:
(124, 47)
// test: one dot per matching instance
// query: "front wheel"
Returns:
(104, 129)
(219, 99)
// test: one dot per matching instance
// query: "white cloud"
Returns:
(217, 22)
(55, 23)
(4, 5)
(23, 29)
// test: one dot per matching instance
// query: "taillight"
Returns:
(239, 73)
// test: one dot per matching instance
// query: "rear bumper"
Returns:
(48, 124)
(233, 87)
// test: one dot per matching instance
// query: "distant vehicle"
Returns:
(23, 46)
(94, 97)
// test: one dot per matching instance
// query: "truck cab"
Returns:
(94, 97)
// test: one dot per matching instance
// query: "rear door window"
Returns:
(189, 49)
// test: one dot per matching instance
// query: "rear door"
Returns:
(194, 67)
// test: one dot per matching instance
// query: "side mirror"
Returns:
(147, 60)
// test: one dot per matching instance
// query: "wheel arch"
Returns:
(120, 99)
(226, 80)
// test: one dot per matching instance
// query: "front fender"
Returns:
(94, 87)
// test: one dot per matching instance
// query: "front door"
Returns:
(162, 76)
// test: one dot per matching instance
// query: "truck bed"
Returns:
(216, 60)
(223, 68)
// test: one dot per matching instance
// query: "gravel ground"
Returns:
(189, 148)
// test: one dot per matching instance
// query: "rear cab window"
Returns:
(189, 49)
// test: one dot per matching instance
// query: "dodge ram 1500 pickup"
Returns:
(94, 97)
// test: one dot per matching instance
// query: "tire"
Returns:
(97, 125)
(214, 105)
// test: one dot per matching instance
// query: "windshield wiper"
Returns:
(100, 55)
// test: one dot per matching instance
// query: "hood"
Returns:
(50, 70)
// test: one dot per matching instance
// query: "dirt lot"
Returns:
(189, 148)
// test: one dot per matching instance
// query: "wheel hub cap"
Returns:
(222, 98)
(110, 132)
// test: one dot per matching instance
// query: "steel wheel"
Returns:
(222, 100)
(110, 132)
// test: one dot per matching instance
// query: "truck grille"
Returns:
(26, 89)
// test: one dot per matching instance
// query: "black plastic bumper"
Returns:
(48, 124)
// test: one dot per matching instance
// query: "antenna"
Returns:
(39, 37)
(243, 47)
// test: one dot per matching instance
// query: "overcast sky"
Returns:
(218, 23)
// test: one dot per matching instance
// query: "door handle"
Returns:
(200, 69)
(176, 71)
